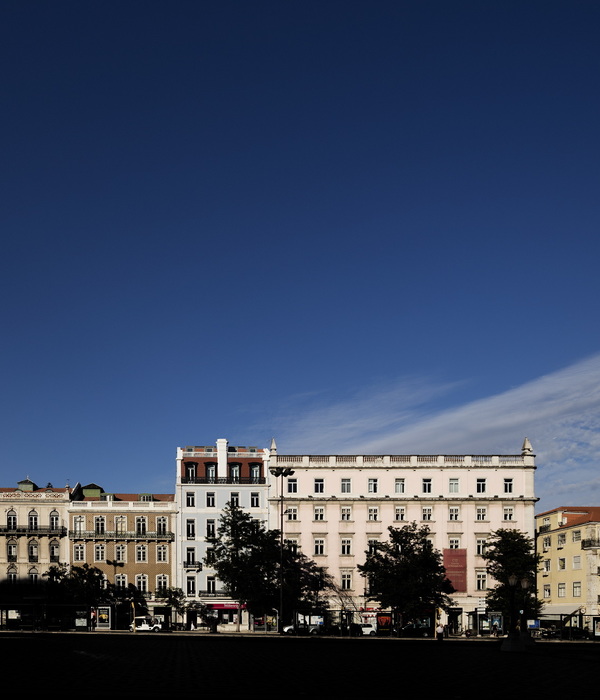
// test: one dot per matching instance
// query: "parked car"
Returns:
(302, 629)
(368, 629)
(145, 624)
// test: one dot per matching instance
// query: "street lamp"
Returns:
(280, 472)
(517, 637)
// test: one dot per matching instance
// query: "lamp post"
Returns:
(280, 472)
(518, 637)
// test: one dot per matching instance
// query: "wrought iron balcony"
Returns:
(33, 531)
(226, 480)
(118, 535)
(590, 544)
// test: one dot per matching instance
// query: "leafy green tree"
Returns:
(511, 561)
(406, 574)
(79, 584)
(249, 561)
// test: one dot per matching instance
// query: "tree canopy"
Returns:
(406, 573)
(511, 559)
(248, 560)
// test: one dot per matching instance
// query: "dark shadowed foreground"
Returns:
(145, 664)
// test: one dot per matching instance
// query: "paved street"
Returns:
(152, 665)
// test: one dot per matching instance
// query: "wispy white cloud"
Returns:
(559, 413)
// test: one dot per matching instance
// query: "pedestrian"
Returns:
(439, 631)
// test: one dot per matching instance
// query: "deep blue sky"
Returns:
(228, 219)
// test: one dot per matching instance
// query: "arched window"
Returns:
(32, 550)
(11, 520)
(54, 520)
(54, 552)
(11, 550)
(32, 520)
(11, 574)
(34, 575)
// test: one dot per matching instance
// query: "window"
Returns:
(11, 551)
(255, 500)
(292, 513)
(121, 580)
(235, 499)
(255, 473)
(100, 525)
(562, 590)
(234, 473)
(121, 553)
(319, 547)
(426, 513)
(373, 513)
(546, 542)
(453, 486)
(546, 565)
(346, 486)
(211, 584)
(33, 575)
(211, 473)
(562, 564)
(346, 547)
(190, 529)
(141, 525)
(372, 486)
(372, 546)
(54, 520)
(190, 470)
(162, 553)
(346, 578)
(576, 536)
(454, 513)
(211, 529)
(562, 539)
(78, 553)
(399, 513)
(99, 552)
(508, 485)
(481, 513)
(32, 551)
(426, 485)
(319, 486)
(292, 485)
(210, 500)
(293, 546)
(481, 581)
(576, 589)
(398, 485)
(508, 513)
(480, 544)
(577, 562)
(190, 499)
(319, 513)
(546, 590)
(121, 524)
(191, 586)
(161, 525)
(33, 520)
(11, 520)
(454, 543)
(481, 486)
(162, 583)
(141, 554)
(346, 513)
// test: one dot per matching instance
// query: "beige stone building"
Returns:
(33, 530)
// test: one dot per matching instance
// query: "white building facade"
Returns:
(335, 506)
(208, 477)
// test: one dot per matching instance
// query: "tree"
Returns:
(512, 562)
(406, 575)
(248, 560)
(79, 584)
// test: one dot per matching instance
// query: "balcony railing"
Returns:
(227, 480)
(118, 535)
(33, 531)
(590, 544)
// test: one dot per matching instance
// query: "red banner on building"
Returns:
(455, 563)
